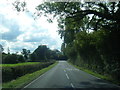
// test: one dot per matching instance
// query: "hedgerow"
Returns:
(13, 72)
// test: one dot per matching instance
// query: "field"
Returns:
(19, 64)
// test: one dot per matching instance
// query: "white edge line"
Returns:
(72, 85)
(32, 81)
(67, 75)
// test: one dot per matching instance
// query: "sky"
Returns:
(19, 30)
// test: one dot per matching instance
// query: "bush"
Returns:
(21, 58)
(13, 72)
(10, 59)
(6, 74)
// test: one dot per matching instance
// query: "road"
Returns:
(64, 75)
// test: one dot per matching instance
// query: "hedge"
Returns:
(11, 73)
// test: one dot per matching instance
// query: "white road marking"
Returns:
(32, 81)
(72, 85)
(35, 80)
(72, 69)
(67, 76)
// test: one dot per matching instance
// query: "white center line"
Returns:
(72, 85)
(67, 76)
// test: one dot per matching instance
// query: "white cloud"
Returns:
(3, 29)
(20, 30)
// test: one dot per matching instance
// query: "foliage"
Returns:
(21, 58)
(24, 80)
(33, 57)
(10, 58)
(12, 72)
(42, 53)
(108, 77)
(19, 64)
(26, 53)
(1, 48)
(91, 33)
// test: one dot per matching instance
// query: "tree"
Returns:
(21, 58)
(104, 15)
(1, 48)
(93, 50)
(41, 52)
(33, 57)
(8, 50)
(26, 53)
(10, 59)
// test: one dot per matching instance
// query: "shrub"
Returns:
(21, 58)
(13, 72)
(10, 59)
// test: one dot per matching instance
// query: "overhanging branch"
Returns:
(99, 14)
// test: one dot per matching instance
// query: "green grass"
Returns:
(24, 80)
(18, 64)
(108, 78)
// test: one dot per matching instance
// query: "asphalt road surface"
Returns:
(64, 75)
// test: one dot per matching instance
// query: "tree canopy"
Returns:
(90, 31)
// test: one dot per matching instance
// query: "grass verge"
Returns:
(108, 78)
(24, 80)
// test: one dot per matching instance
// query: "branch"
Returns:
(99, 14)
(97, 23)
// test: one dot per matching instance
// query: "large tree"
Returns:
(93, 49)
(41, 53)
(76, 20)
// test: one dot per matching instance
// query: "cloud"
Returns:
(20, 30)
(33, 37)
(3, 29)
(10, 28)
(12, 34)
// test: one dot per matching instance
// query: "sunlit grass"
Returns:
(24, 80)
(19, 64)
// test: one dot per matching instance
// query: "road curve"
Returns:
(64, 75)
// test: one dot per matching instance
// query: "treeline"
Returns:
(14, 65)
(91, 34)
(12, 58)
(41, 54)
(96, 51)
